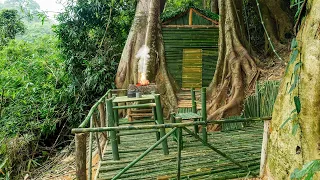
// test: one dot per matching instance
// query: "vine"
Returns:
(267, 34)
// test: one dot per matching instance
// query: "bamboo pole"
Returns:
(179, 132)
(264, 147)
(143, 154)
(147, 105)
(167, 125)
(116, 120)
(179, 120)
(90, 149)
(173, 120)
(161, 121)
(194, 107)
(113, 134)
(204, 114)
(81, 157)
(87, 119)
(154, 111)
(190, 17)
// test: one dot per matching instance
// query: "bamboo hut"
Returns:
(191, 46)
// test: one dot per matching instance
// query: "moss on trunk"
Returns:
(286, 151)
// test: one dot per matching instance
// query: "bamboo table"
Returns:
(157, 113)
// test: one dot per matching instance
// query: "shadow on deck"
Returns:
(198, 161)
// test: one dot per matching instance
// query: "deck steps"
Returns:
(198, 161)
(184, 99)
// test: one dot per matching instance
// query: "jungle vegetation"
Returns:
(52, 73)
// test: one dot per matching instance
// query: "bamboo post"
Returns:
(264, 147)
(161, 121)
(90, 149)
(193, 98)
(81, 156)
(173, 120)
(179, 120)
(194, 107)
(190, 17)
(116, 120)
(204, 114)
(155, 121)
(179, 132)
(113, 134)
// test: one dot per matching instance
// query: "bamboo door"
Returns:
(192, 68)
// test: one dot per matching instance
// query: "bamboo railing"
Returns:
(84, 168)
(110, 125)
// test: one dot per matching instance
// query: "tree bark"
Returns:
(214, 6)
(236, 68)
(128, 67)
(278, 21)
(286, 151)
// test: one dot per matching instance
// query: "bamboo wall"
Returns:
(178, 39)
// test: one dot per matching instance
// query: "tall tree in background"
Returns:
(10, 25)
(214, 6)
(236, 70)
(146, 30)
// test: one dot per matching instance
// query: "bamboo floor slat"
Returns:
(198, 161)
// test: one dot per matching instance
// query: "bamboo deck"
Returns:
(198, 161)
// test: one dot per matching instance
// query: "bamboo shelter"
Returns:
(191, 46)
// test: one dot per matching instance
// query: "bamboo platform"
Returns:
(198, 161)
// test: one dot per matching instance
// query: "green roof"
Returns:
(168, 14)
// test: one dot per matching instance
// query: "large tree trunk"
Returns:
(236, 69)
(278, 21)
(128, 67)
(286, 151)
(214, 6)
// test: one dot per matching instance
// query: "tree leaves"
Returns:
(293, 56)
(292, 116)
(295, 128)
(294, 43)
(297, 103)
(307, 171)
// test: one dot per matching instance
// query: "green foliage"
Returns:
(26, 8)
(10, 25)
(297, 5)
(174, 8)
(92, 35)
(253, 26)
(35, 30)
(297, 103)
(261, 103)
(33, 87)
(294, 115)
(307, 171)
(34, 99)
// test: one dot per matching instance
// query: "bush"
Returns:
(33, 95)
